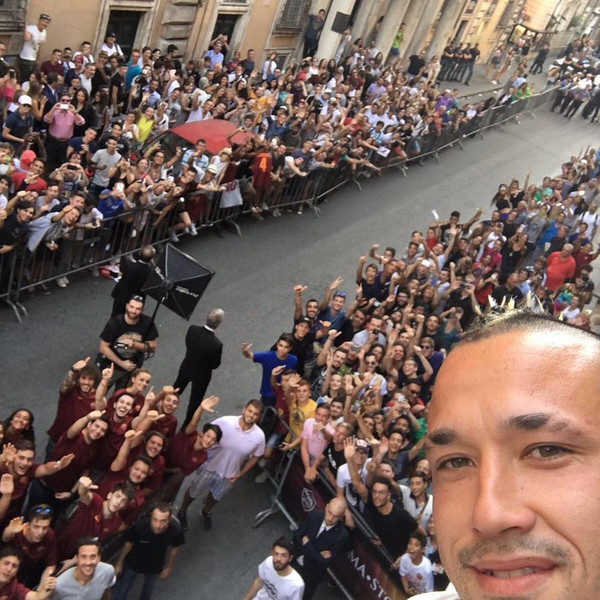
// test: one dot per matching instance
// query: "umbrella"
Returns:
(177, 281)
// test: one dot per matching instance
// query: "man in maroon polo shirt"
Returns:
(81, 440)
(133, 476)
(10, 588)
(187, 449)
(152, 448)
(17, 461)
(77, 397)
(120, 418)
(93, 516)
(36, 542)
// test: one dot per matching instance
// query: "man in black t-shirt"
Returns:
(150, 549)
(126, 339)
(416, 63)
(117, 88)
(391, 523)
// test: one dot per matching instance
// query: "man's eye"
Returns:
(452, 464)
(548, 452)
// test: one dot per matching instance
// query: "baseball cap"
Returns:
(111, 34)
(211, 169)
(362, 445)
(25, 100)
(225, 151)
(45, 17)
(304, 320)
(27, 158)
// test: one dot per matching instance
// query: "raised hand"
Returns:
(9, 453)
(80, 364)
(299, 289)
(87, 484)
(95, 414)
(278, 370)
(154, 415)
(336, 283)
(108, 372)
(7, 485)
(349, 448)
(65, 461)
(208, 404)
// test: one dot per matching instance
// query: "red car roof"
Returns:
(214, 131)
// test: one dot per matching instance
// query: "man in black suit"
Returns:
(134, 272)
(319, 539)
(203, 351)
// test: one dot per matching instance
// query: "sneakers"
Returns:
(264, 206)
(173, 237)
(192, 230)
(206, 520)
(261, 477)
(62, 282)
(276, 213)
(182, 517)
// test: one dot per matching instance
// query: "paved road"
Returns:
(254, 278)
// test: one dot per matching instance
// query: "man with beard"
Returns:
(513, 441)
(90, 579)
(36, 542)
(276, 576)
(77, 397)
(126, 339)
(227, 462)
(150, 548)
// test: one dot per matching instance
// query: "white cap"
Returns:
(25, 100)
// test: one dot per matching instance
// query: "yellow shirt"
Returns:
(145, 126)
(299, 414)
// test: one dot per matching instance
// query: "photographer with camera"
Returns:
(61, 120)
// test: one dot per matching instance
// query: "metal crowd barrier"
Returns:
(23, 272)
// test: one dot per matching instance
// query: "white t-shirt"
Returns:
(344, 482)
(449, 594)
(32, 47)
(277, 587)
(420, 577)
(235, 447)
(116, 49)
(410, 506)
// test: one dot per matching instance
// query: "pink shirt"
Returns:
(315, 439)
(62, 123)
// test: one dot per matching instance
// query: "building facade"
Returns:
(278, 25)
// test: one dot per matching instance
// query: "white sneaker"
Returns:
(66, 280)
(174, 237)
(261, 477)
(192, 229)
(276, 213)
(95, 272)
(264, 206)
(61, 283)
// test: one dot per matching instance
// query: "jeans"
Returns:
(125, 582)
(469, 72)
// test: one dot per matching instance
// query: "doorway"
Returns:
(225, 25)
(124, 23)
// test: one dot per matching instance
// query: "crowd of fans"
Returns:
(82, 181)
(351, 381)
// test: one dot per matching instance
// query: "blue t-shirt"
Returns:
(269, 361)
